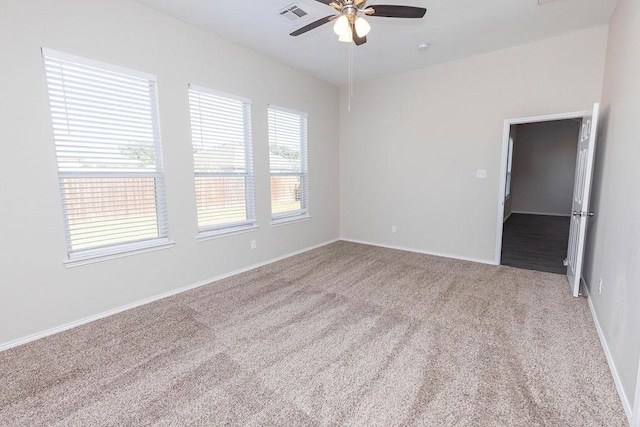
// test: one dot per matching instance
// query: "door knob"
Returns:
(590, 214)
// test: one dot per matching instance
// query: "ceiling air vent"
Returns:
(293, 13)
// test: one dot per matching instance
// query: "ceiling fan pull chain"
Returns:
(350, 72)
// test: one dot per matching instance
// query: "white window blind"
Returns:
(106, 133)
(222, 155)
(288, 163)
(507, 192)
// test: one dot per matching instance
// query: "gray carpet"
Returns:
(346, 334)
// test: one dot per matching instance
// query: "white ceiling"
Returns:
(453, 28)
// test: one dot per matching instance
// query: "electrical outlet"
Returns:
(393, 229)
(481, 173)
(253, 244)
(600, 286)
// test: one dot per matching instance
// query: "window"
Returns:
(221, 137)
(507, 192)
(288, 164)
(106, 134)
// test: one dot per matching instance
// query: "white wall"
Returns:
(544, 163)
(36, 291)
(410, 146)
(613, 242)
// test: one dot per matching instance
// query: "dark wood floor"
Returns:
(535, 242)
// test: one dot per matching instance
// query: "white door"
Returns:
(581, 191)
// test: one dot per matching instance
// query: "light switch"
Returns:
(481, 173)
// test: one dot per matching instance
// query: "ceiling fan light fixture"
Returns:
(341, 27)
(362, 27)
(347, 37)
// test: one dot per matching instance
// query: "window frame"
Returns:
(95, 254)
(251, 223)
(303, 213)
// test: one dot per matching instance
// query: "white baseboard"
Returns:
(70, 325)
(419, 251)
(614, 372)
(541, 213)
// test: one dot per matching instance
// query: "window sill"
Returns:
(217, 234)
(289, 219)
(99, 255)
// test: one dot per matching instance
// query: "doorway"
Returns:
(539, 166)
(538, 195)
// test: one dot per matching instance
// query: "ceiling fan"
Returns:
(350, 26)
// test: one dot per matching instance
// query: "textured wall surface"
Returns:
(544, 164)
(411, 145)
(613, 249)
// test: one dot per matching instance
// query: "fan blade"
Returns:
(314, 24)
(357, 39)
(392, 11)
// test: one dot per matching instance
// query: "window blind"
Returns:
(507, 191)
(288, 163)
(222, 155)
(106, 134)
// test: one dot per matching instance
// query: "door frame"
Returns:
(503, 164)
